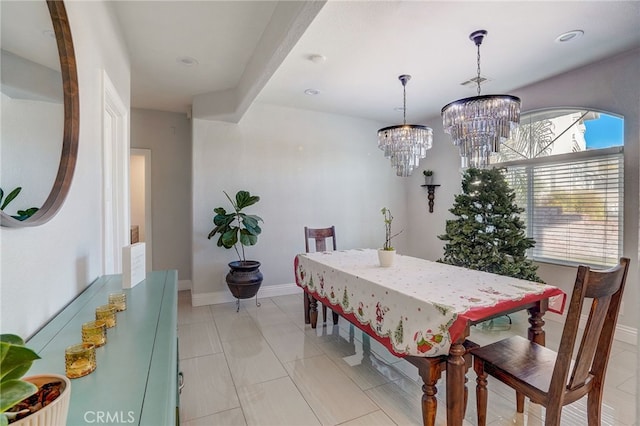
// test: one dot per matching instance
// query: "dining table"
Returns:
(422, 311)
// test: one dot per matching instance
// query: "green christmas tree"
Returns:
(488, 233)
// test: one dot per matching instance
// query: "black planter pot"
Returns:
(244, 278)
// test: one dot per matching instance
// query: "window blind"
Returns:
(573, 206)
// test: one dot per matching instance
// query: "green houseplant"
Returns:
(37, 400)
(21, 214)
(387, 253)
(15, 361)
(239, 228)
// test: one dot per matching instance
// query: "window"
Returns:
(566, 167)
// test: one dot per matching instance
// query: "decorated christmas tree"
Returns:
(488, 233)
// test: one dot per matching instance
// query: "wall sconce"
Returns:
(431, 195)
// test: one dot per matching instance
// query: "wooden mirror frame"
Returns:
(71, 123)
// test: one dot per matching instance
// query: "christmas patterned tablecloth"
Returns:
(415, 307)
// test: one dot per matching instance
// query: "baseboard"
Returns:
(623, 333)
(216, 297)
(184, 285)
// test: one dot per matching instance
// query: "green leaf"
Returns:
(4, 421)
(244, 199)
(11, 338)
(247, 239)
(223, 220)
(230, 237)
(26, 214)
(14, 391)
(15, 361)
(250, 222)
(13, 194)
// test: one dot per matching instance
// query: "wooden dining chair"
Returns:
(320, 236)
(551, 378)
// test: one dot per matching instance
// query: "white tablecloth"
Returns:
(415, 307)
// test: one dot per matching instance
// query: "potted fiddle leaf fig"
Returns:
(387, 253)
(35, 400)
(237, 228)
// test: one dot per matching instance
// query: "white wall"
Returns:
(45, 267)
(610, 85)
(168, 136)
(310, 169)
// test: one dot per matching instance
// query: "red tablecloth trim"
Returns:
(477, 314)
(385, 341)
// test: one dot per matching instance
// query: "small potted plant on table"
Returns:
(387, 253)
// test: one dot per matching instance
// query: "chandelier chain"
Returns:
(478, 60)
(404, 104)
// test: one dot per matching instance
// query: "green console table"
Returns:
(136, 379)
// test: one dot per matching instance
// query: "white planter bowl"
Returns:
(386, 257)
(54, 414)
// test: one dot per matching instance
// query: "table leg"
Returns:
(307, 318)
(456, 384)
(430, 370)
(536, 331)
(313, 311)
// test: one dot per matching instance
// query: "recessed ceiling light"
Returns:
(316, 59)
(187, 61)
(569, 35)
(312, 92)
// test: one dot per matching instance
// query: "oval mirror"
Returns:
(40, 111)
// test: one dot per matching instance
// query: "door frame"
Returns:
(115, 177)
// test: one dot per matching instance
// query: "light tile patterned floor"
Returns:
(264, 366)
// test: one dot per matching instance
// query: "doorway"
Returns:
(140, 199)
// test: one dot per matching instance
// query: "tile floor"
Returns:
(264, 366)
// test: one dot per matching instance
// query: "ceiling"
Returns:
(260, 51)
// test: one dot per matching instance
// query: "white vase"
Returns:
(386, 257)
(55, 413)
(428, 180)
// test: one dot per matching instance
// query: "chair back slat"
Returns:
(588, 346)
(320, 236)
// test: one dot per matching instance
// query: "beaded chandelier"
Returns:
(405, 145)
(478, 125)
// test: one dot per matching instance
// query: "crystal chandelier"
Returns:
(478, 125)
(405, 145)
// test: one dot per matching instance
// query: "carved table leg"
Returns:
(313, 311)
(335, 317)
(536, 331)
(307, 318)
(456, 384)
(430, 370)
